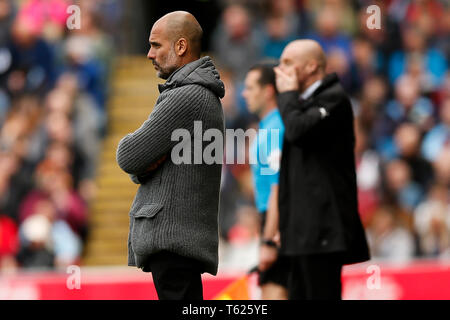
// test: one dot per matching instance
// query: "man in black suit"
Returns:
(319, 224)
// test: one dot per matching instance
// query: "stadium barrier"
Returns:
(367, 281)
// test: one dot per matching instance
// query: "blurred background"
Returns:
(68, 96)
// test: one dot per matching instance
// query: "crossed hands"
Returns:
(156, 164)
(268, 255)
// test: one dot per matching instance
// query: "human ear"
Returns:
(311, 67)
(269, 91)
(181, 47)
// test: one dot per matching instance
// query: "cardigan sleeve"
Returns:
(138, 150)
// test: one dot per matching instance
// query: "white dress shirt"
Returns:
(310, 90)
(308, 93)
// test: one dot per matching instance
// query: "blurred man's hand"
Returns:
(286, 80)
(267, 256)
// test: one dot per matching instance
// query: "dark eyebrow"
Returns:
(154, 43)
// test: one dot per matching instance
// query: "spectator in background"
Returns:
(101, 43)
(14, 185)
(7, 14)
(442, 40)
(335, 43)
(400, 189)
(32, 59)
(364, 65)
(85, 126)
(432, 222)
(47, 17)
(407, 140)
(57, 127)
(369, 103)
(92, 64)
(35, 241)
(235, 42)
(367, 174)
(408, 106)
(427, 15)
(444, 91)
(281, 26)
(430, 61)
(54, 184)
(435, 140)
(384, 39)
(81, 62)
(343, 10)
(112, 13)
(47, 241)
(388, 238)
(442, 166)
(19, 125)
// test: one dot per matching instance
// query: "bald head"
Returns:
(308, 50)
(307, 59)
(175, 40)
(181, 24)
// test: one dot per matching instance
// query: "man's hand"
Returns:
(156, 164)
(267, 256)
(140, 179)
(286, 80)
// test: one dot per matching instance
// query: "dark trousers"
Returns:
(176, 277)
(315, 277)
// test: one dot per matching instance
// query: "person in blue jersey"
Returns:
(260, 94)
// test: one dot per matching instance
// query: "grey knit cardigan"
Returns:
(176, 205)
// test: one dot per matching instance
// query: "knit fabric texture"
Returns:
(176, 205)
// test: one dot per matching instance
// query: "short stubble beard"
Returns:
(165, 73)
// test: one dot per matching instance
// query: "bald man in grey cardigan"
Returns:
(174, 216)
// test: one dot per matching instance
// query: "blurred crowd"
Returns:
(399, 82)
(53, 84)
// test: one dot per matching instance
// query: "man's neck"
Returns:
(269, 108)
(188, 59)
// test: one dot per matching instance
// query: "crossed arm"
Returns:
(141, 152)
(141, 178)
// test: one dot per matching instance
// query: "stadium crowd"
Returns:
(53, 87)
(53, 84)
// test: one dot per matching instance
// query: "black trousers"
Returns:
(176, 277)
(315, 277)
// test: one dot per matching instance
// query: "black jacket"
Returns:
(317, 196)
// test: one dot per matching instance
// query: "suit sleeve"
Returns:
(140, 149)
(299, 122)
